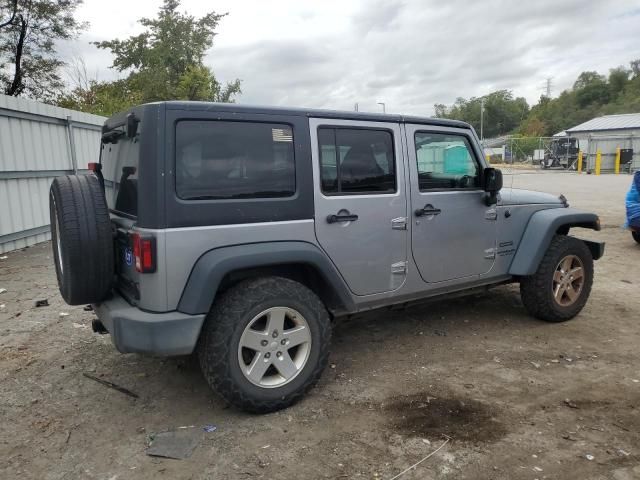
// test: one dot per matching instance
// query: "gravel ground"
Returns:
(518, 398)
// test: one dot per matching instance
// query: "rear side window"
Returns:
(356, 161)
(227, 160)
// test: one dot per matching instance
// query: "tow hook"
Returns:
(98, 327)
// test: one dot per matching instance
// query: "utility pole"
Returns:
(482, 119)
(384, 107)
(355, 107)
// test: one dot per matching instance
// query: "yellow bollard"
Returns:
(617, 166)
(598, 161)
(579, 169)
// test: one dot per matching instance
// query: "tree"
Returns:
(13, 9)
(29, 64)
(591, 88)
(618, 78)
(502, 112)
(166, 61)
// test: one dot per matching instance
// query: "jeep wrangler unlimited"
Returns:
(240, 233)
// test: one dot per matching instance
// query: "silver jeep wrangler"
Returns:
(241, 233)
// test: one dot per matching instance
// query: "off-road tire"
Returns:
(636, 236)
(231, 313)
(536, 290)
(81, 235)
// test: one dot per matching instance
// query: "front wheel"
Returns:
(636, 236)
(265, 343)
(559, 290)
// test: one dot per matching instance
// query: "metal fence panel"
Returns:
(35, 147)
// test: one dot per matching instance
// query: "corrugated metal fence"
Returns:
(37, 143)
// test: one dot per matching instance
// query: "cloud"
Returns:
(409, 54)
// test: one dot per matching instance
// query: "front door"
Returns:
(361, 202)
(453, 232)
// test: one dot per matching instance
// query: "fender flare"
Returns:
(206, 275)
(540, 230)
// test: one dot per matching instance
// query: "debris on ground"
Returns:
(4, 257)
(79, 325)
(42, 303)
(535, 364)
(88, 308)
(178, 444)
(111, 385)
(2, 290)
(440, 333)
(2, 306)
(209, 428)
(588, 456)
(570, 404)
(64, 314)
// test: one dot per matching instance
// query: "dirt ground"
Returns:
(518, 398)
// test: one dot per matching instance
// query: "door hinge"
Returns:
(491, 214)
(490, 253)
(399, 223)
(399, 268)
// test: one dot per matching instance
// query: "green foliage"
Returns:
(165, 62)
(100, 98)
(592, 95)
(29, 64)
(502, 112)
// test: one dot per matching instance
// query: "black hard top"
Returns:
(310, 112)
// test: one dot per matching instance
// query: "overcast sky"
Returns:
(409, 54)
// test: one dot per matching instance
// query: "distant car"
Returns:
(633, 207)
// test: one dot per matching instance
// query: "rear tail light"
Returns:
(144, 253)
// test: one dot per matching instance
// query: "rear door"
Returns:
(120, 157)
(453, 233)
(361, 202)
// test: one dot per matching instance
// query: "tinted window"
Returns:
(445, 161)
(119, 157)
(356, 161)
(221, 160)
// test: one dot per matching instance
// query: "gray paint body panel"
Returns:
(363, 250)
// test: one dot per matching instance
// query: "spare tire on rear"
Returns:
(81, 238)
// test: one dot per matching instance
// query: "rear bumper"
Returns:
(135, 331)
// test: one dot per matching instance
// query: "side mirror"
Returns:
(492, 178)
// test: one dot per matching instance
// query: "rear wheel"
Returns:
(81, 238)
(559, 290)
(636, 236)
(265, 343)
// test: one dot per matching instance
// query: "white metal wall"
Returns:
(37, 143)
(607, 142)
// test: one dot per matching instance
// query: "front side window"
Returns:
(445, 161)
(356, 161)
(233, 160)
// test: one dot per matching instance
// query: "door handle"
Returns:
(346, 217)
(427, 210)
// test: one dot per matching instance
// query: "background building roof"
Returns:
(609, 122)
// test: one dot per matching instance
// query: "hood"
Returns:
(515, 196)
